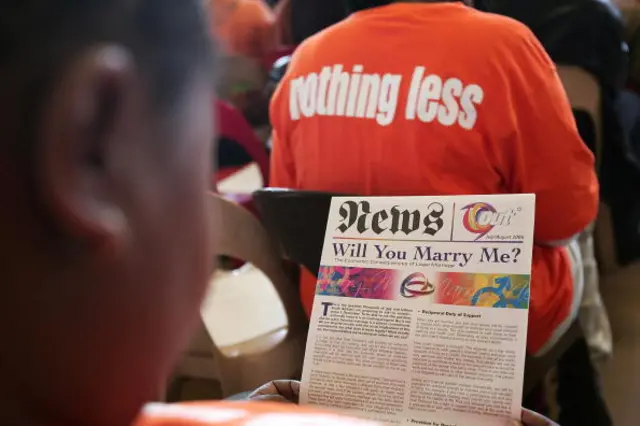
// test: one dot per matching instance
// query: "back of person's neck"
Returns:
(428, 1)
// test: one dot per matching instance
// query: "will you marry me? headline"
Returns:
(426, 253)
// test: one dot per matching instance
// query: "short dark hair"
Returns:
(309, 17)
(356, 5)
(167, 37)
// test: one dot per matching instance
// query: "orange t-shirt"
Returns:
(241, 414)
(244, 27)
(439, 99)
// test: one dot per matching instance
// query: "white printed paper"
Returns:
(421, 306)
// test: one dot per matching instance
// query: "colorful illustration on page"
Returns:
(363, 283)
(483, 290)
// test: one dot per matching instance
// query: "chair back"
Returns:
(240, 235)
(584, 95)
(297, 220)
(196, 365)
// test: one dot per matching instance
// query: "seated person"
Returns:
(374, 106)
(244, 27)
(105, 248)
(246, 33)
(589, 34)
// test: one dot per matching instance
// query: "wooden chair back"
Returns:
(584, 95)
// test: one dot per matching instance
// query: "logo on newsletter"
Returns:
(481, 218)
(416, 285)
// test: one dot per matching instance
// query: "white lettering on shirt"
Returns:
(355, 93)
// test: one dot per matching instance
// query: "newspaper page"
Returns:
(421, 306)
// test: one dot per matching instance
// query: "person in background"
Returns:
(244, 27)
(588, 34)
(480, 112)
(246, 33)
(591, 34)
(105, 251)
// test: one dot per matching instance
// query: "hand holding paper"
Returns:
(421, 309)
(278, 391)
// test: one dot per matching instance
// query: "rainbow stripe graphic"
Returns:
(447, 288)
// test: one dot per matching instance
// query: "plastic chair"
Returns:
(584, 95)
(196, 364)
(278, 355)
(297, 220)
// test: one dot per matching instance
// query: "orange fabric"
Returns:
(240, 414)
(244, 27)
(486, 114)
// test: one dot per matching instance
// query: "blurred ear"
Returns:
(83, 122)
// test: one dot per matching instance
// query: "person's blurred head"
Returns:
(356, 5)
(104, 163)
(243, 27)
(308, 17)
